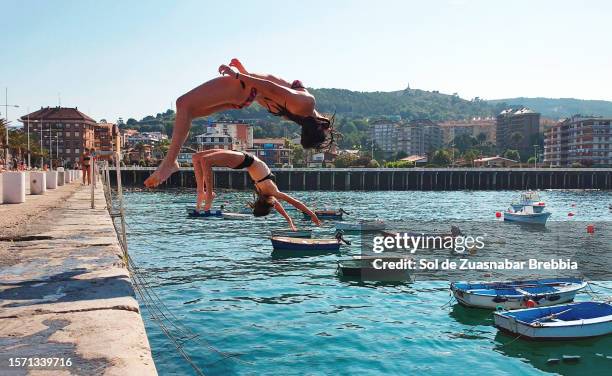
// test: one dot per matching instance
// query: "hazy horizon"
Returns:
(133, 59)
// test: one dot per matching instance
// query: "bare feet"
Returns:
(201, 198)
(238, 65)
(162, 173)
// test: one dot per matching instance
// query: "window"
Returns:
(67, 134)
(77, 134)
(68, 125)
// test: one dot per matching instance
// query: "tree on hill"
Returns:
(512, 154)
(345, 160)
(441, 158)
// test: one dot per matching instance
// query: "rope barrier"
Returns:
(167, 322)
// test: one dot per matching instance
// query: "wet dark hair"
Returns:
(317, 132)
(261, 206)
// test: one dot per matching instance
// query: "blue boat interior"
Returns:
(567, 312)
(509, 289)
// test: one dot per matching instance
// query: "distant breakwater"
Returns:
(407, 179)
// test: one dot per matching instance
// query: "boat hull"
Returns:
(236, 216)
(293, 234)
(360, 227)
(302, 244)
(536, 218)
(510, 298)
(191, 212)
(512, 322)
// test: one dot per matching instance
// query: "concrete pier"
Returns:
(399, 179)
(65, 291)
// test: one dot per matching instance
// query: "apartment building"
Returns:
(579, 139)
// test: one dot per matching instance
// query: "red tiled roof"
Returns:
(58, 113)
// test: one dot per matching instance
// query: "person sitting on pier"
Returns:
(268, 195)
(237, 89)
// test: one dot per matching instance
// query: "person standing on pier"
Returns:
(268, 195)
(86, 160)
(237, 89)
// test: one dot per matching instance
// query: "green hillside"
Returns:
(556, 108)
(409, 104)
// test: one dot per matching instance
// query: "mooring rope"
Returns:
(157, 310)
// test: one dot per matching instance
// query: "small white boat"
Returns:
(236, 216)
(566, 321)
(516, 294)
(361, 226)
(533, 214)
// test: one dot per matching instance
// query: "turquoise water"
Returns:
(294, 316)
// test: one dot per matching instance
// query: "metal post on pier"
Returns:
(92, 170)
(117, 158)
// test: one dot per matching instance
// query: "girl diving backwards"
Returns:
(268, 195)
(236, 89)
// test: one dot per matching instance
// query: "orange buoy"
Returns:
(590, 229)
(497, 214)
(530, 303)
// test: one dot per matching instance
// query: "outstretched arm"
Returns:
(279, 208)
(298, 205)
(238, 65)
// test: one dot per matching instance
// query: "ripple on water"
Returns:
(294, 316)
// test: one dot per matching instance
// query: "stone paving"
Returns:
(65, 291)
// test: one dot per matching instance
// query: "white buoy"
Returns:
(51, 179)
(13, 187)
(38, 183)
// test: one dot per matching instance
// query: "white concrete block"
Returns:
(13, 187)
(38, 182)
(51, 179)
(60, 177)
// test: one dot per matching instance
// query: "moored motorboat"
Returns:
(565, 321)
(328, 214)
(371, 268)
(192, 212)
(517, 294)
(529, 209)
(304, 244)
(293, 234)
(527, 215)
(363, 226)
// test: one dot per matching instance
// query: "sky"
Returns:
(131, 58)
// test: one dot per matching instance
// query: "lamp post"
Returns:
(535, 156)
(6, 106)
(29, 151)
(42, 158)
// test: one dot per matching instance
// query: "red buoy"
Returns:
(590, 229)
(570, 214)
(497, 214)
(530, 303)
